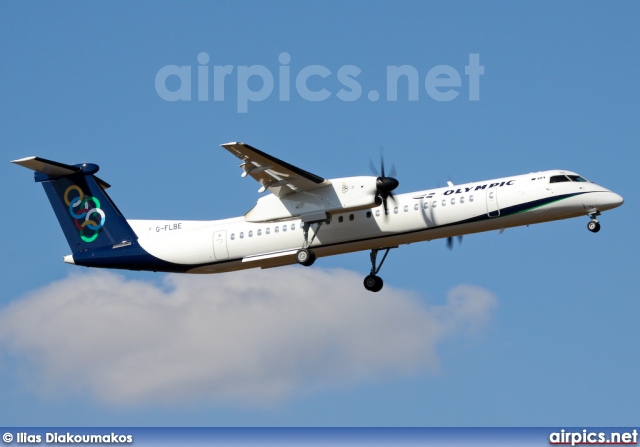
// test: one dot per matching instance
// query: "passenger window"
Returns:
(351, 217)
(267, 231)
(284, 228)
(406, 208)
(260, 232)
(293, 226)
(471, 198)
(434, 204)
(444, 202)
(377, 213)
(462, 199)
(453, 200)
(340, 219)
(241, 235)
(368, 214)
(395, 210)
(276, 229)
(250, 233)
(415, 207)
(426, 205)
(233, 236)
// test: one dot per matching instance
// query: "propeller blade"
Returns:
(384, 185)
(373, 168)
(450, 241)
(393, 171)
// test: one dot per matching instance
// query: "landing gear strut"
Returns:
(372, 282)
(305, 256)
(593, 225)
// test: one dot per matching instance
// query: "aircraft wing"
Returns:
(275, 175)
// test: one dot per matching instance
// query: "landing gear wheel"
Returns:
(373, 283)
(593, 226)
(305, 257)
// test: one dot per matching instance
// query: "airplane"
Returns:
(305, 216)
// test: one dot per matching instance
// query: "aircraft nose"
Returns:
(616, 199)
(612, 200)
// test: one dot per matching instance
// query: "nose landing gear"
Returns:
(594, 225)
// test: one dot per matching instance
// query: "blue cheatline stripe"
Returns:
(504, 212)
(515, 209)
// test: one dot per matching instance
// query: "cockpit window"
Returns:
(567, 178)
(558, 179)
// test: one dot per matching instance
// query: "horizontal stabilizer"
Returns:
(47, 167)
(53, 168)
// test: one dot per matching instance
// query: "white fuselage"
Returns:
(234, 244)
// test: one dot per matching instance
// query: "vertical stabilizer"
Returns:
(87, 216)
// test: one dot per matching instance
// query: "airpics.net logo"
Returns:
(313, 83)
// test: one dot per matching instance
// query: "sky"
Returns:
(533, 327)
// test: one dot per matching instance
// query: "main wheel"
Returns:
(305, 257)
(373, 283)
(593, 226)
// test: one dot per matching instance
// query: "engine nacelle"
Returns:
(341, 195)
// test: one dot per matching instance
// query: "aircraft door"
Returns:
(220, 245)
(493, 210)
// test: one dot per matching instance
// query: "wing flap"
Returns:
(277, 176)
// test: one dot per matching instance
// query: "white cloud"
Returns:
(249, 338)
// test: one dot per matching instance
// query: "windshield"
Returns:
(577, 178)
(567, 178)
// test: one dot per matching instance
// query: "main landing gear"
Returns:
(305, 256)
(594, 225)
(372, 282)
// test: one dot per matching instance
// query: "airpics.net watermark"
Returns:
(255, 83)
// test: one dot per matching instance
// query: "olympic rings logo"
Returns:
(89, 209)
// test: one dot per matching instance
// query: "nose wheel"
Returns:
(594, 225)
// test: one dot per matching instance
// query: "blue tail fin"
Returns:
(88, 217)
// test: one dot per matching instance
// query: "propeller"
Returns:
(384, 185)
(450, 242)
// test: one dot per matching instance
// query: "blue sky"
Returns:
(555, 341)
